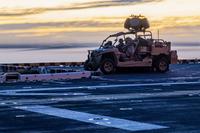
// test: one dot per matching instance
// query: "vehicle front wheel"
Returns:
(107, 66)
(162, 65)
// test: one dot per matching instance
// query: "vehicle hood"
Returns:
(102, 50)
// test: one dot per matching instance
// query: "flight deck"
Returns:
(120, 103)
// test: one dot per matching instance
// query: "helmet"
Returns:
(121, 40)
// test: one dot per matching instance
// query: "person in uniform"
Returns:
(121, 45)
(130, 49)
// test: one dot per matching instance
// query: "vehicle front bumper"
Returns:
(93, 62)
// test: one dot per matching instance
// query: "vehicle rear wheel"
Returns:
(162, 65)
(107, 66)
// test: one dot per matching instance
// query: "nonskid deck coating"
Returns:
(165, 100)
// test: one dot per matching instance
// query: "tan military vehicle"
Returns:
(135, 48)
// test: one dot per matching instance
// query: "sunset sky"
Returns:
(82, 21)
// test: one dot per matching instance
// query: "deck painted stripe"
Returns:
(105, 97)
(92, 118)
(101, 86)
(148, 80)
(44, 94)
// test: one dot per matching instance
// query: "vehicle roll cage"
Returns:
(145, 34)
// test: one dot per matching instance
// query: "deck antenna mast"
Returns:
(158, 34)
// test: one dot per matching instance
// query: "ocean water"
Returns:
(23, 55)
(28, 55)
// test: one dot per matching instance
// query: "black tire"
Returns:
(162, 65)
(107, 66)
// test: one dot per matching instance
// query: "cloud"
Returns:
(178, 22)
(20, 12)
(69, 24)
(106, 22)
(46, 46)
(108, 3)
(172, 28)
(73, 6)
(23, 26)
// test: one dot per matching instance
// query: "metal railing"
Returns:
(14, 67)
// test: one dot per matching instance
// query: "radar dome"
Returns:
(136, 23)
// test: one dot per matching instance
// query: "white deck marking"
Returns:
(148, 80)
(92, 118)
(101, 98)
(44, 94)
(100, 86)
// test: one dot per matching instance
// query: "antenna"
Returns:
(158, 34)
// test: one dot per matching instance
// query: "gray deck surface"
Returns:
(120, 103)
